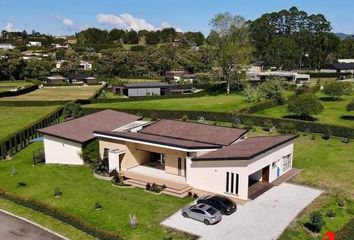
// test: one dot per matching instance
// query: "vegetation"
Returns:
(90, 153)
(305, 105)
(72, 110)
(337, 89)
(350, 106)
(9, 85)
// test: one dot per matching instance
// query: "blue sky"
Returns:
(69, 16)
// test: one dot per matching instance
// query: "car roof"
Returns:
(202, 206)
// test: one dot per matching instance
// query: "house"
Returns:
(85, 65)
(346, 60)
(289, 76)
(257, 66)
(189, 157)
(34, 44)
(59, 63)
(143, 89)
(56, 79)
(63, 142)
(60, 46)
(6, 46)
(81, 78)
(344, 67)
(178, 76)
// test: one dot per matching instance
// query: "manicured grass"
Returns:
(333, 110)
(217, 103)
(13, 119)
(44, 220)
(8, 85)
(81, 191)
(62, 93)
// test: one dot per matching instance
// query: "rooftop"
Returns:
(195, 132)
(146, 85)
(247, 149)
(81, 129)
(339, 66)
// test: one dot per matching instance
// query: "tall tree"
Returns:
(232, 46)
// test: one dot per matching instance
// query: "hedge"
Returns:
(299, 125)
(347, 232)
(32, 103)
(60, 215)
(19, 92)
(261, 106)
(327, 74)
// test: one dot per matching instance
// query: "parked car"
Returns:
(202, 212)
(221, 203)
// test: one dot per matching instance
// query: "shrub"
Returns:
(326, 135)
(330, 213)
(154, 117)
(286, 128)
(268, 125)
(202, 120)
(98, 206)
(350, 106)
(57, 192)
(335, 89)
(305, 105)
(22, 184)
(91, 153)
(316, 222)
(72, 110)
(340, 201)
(184, 118)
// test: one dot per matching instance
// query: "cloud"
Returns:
(9, 27)
(67, 22)
(128, 21)
(70, 24)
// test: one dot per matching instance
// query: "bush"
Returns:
(57, 192)
(316, 222)
(22, 184)
(340, 201)
(350, 106)
(98, 206)
(305, 105)
(330, 213)
(286, 128)
(336, 89)
(61, 215)
(91, 153)
(72, 110)
(184, 118)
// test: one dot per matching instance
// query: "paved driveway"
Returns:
(264, 218)
(12, 228)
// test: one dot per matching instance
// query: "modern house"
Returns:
(289, 76)
(56, 79)
(85, 65)
(344, 67)
(81, 78)
(143, 89)
(63, 142)
(6, 46)
(181, 156)
(34, 44)
(178, 76)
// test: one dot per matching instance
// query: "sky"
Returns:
(65, 17)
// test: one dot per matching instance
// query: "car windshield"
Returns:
(211, 210)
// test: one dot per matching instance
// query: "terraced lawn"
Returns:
(13, 119)
(333, 110)
(65, 93)
(8, 85)
(81, 191)
(217, 103)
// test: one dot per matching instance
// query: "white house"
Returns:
(6, 46)
(34, 44)
(85, 65)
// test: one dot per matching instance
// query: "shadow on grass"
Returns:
(304, 118)
(347, 117)
(330, 99)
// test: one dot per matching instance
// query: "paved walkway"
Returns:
(264, 218)
(12, 228)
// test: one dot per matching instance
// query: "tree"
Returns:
(232, 47)
(116, 34)
(305, 105)
(152, 38)
(193, 38)
(350, 106)
(271, 89)
(168, 35)
(38, 68)
(131, 37)
(336, 89)
(346, 48)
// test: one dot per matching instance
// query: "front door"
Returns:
(265, 174)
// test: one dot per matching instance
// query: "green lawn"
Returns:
(81, 191)
(62, 93)
(333, 110)
(13, 119)
(217, 103)
(8, 85)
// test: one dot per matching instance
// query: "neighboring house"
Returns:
(6, 46)
(190, 157)
(63, 142)
(59, 46)
(34, 44)
(178, 76)
(85, 65)
(143, 89)
(343, 67)
(289, 76)
(257, 67)
(56, 79)
(59, 63)
(81, 78)
(346, 60)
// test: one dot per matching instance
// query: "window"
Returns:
(286, 162)
(232, 182)
(274, 164)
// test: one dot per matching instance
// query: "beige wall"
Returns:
(137, 154)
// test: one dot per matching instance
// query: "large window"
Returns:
(286, 162)
(232, 182)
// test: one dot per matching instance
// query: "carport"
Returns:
(258, 182)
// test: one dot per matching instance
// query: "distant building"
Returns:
(257, 67)
(143, 89)
(85, 65)
(177, 76)
(59, 63)
(6, 46)
(289, 76)
(56, 79)
(346, 60)
(34, 44)
(59, 46)
(81, 78)
(344, 67)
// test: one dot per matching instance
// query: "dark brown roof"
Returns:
(81, 129)
(247, 149)
(195, 132)
(173, 142)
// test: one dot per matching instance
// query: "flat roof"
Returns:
(160, 140)
(146, 85)
(81, 129)
(247, 149)
(195, 132)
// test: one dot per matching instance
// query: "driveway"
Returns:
(264, 218)
(14, 228)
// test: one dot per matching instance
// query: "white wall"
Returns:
(62, 151)
(141, 92)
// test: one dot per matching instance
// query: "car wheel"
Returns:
(206, 221)
(185, 214)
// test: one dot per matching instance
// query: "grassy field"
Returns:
(15, 118)
(217, 103)
(65, 93)
(81, 191)
(333, 110)
(8, 85)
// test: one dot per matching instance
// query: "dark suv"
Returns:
(223, 204)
